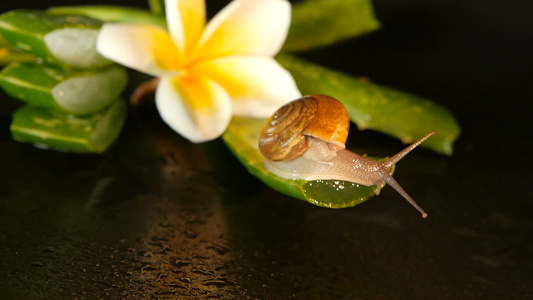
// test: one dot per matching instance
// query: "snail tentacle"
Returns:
(394, 159)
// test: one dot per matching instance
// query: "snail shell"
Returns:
(305, 139)
(286, 134)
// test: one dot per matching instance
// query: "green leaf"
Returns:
(157, 7)
(8, 53)
(242, 136)
(77, 92)
(65, 40)
(370, 106)
(318, 23)
(51, 128)
(109, 13)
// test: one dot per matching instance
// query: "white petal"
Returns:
(146, 48)
(258, 86)
(185, 21)
(246, 27)
(195, 107)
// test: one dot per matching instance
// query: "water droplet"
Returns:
(166, 292)
(181, 263)
(190, 234)
(37, 264)
(179, 272)
(216, 282)
(147, 268)
(159, 239)
(186, 280)
(146, 254)
(221, 250)
(202, 272)
(175, 285)
(106, 283)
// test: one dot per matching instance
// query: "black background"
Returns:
(158, 217)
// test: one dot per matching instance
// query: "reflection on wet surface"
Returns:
(150, 225)
(158, 217)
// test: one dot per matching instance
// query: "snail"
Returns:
(305, 139)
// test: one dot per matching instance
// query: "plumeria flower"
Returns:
(208, 72)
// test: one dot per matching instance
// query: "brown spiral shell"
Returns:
(285, 135)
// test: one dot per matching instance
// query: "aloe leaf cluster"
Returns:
(71, 92)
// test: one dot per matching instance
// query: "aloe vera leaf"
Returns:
(77, 92)
(371, 106)
(59, 39)
(242, 137)
(50, 128)
(317, 23)
(109, 13)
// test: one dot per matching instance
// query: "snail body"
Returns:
(305, 139)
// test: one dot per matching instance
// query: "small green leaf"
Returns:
(370, 106)
(109, 13)
(318, 23)
(242, 137)
(51, 128)
(66, 40)
(77, 92)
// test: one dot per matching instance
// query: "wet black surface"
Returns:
(157, 217)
